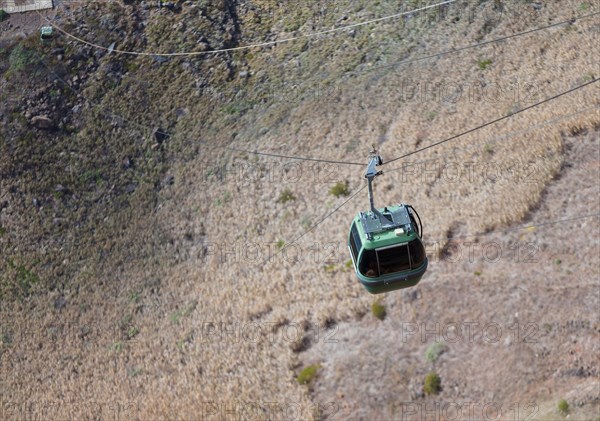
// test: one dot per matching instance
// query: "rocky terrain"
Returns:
(134, 233)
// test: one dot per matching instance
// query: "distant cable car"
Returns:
(45, 33)
(385, 244)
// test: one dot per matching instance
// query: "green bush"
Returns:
(434, 351)
(484, 64)
(286, 196)
(330, 268)
(90, 175)
(563, 407)
(378, 310)
(305, 222)
(20, 58)
(25, 278)
(224, 199)
(308, 374)
(433, 384)
(3, 15)
(183, 312)
(132, 332)
(340, 189)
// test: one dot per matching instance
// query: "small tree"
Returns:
(563, 407)
(307, 375)
(433, 384)
(286, 196)
(434, 351)
(340, 189)
(378, 310)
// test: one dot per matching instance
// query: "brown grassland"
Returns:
(133, 274)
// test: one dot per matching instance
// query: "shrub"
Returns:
(286, 196)
(378, 310)
(132, 332)
(305, 222)
(179, 314)
(330, 268)
(25, 277)
(563, 407)
(434, 351)
(224, 199)
(340, 189)
(3, 15)
(433, 384)
(232, 109)
(90, 175)
(308, 374)
(20, 58)
(588, 77)
(484, 64)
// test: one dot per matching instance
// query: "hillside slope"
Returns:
(133, 238)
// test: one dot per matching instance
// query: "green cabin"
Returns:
(386, 248)
(385, 244)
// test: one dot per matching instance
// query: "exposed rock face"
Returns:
(160, 135)
(42, 122)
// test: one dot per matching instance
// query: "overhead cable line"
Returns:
(428, 146)
(300, 158)
(509, 135)
(245, 47)
(471, 46)
(97, 104)
(407, 62)
(298, 238)
(520, 228)
(583, 85)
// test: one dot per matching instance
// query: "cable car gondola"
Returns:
(385, 244)
(45, 33)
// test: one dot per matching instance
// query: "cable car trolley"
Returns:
(46, 33)
(385, 244)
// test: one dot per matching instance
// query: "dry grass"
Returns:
(135, 334)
